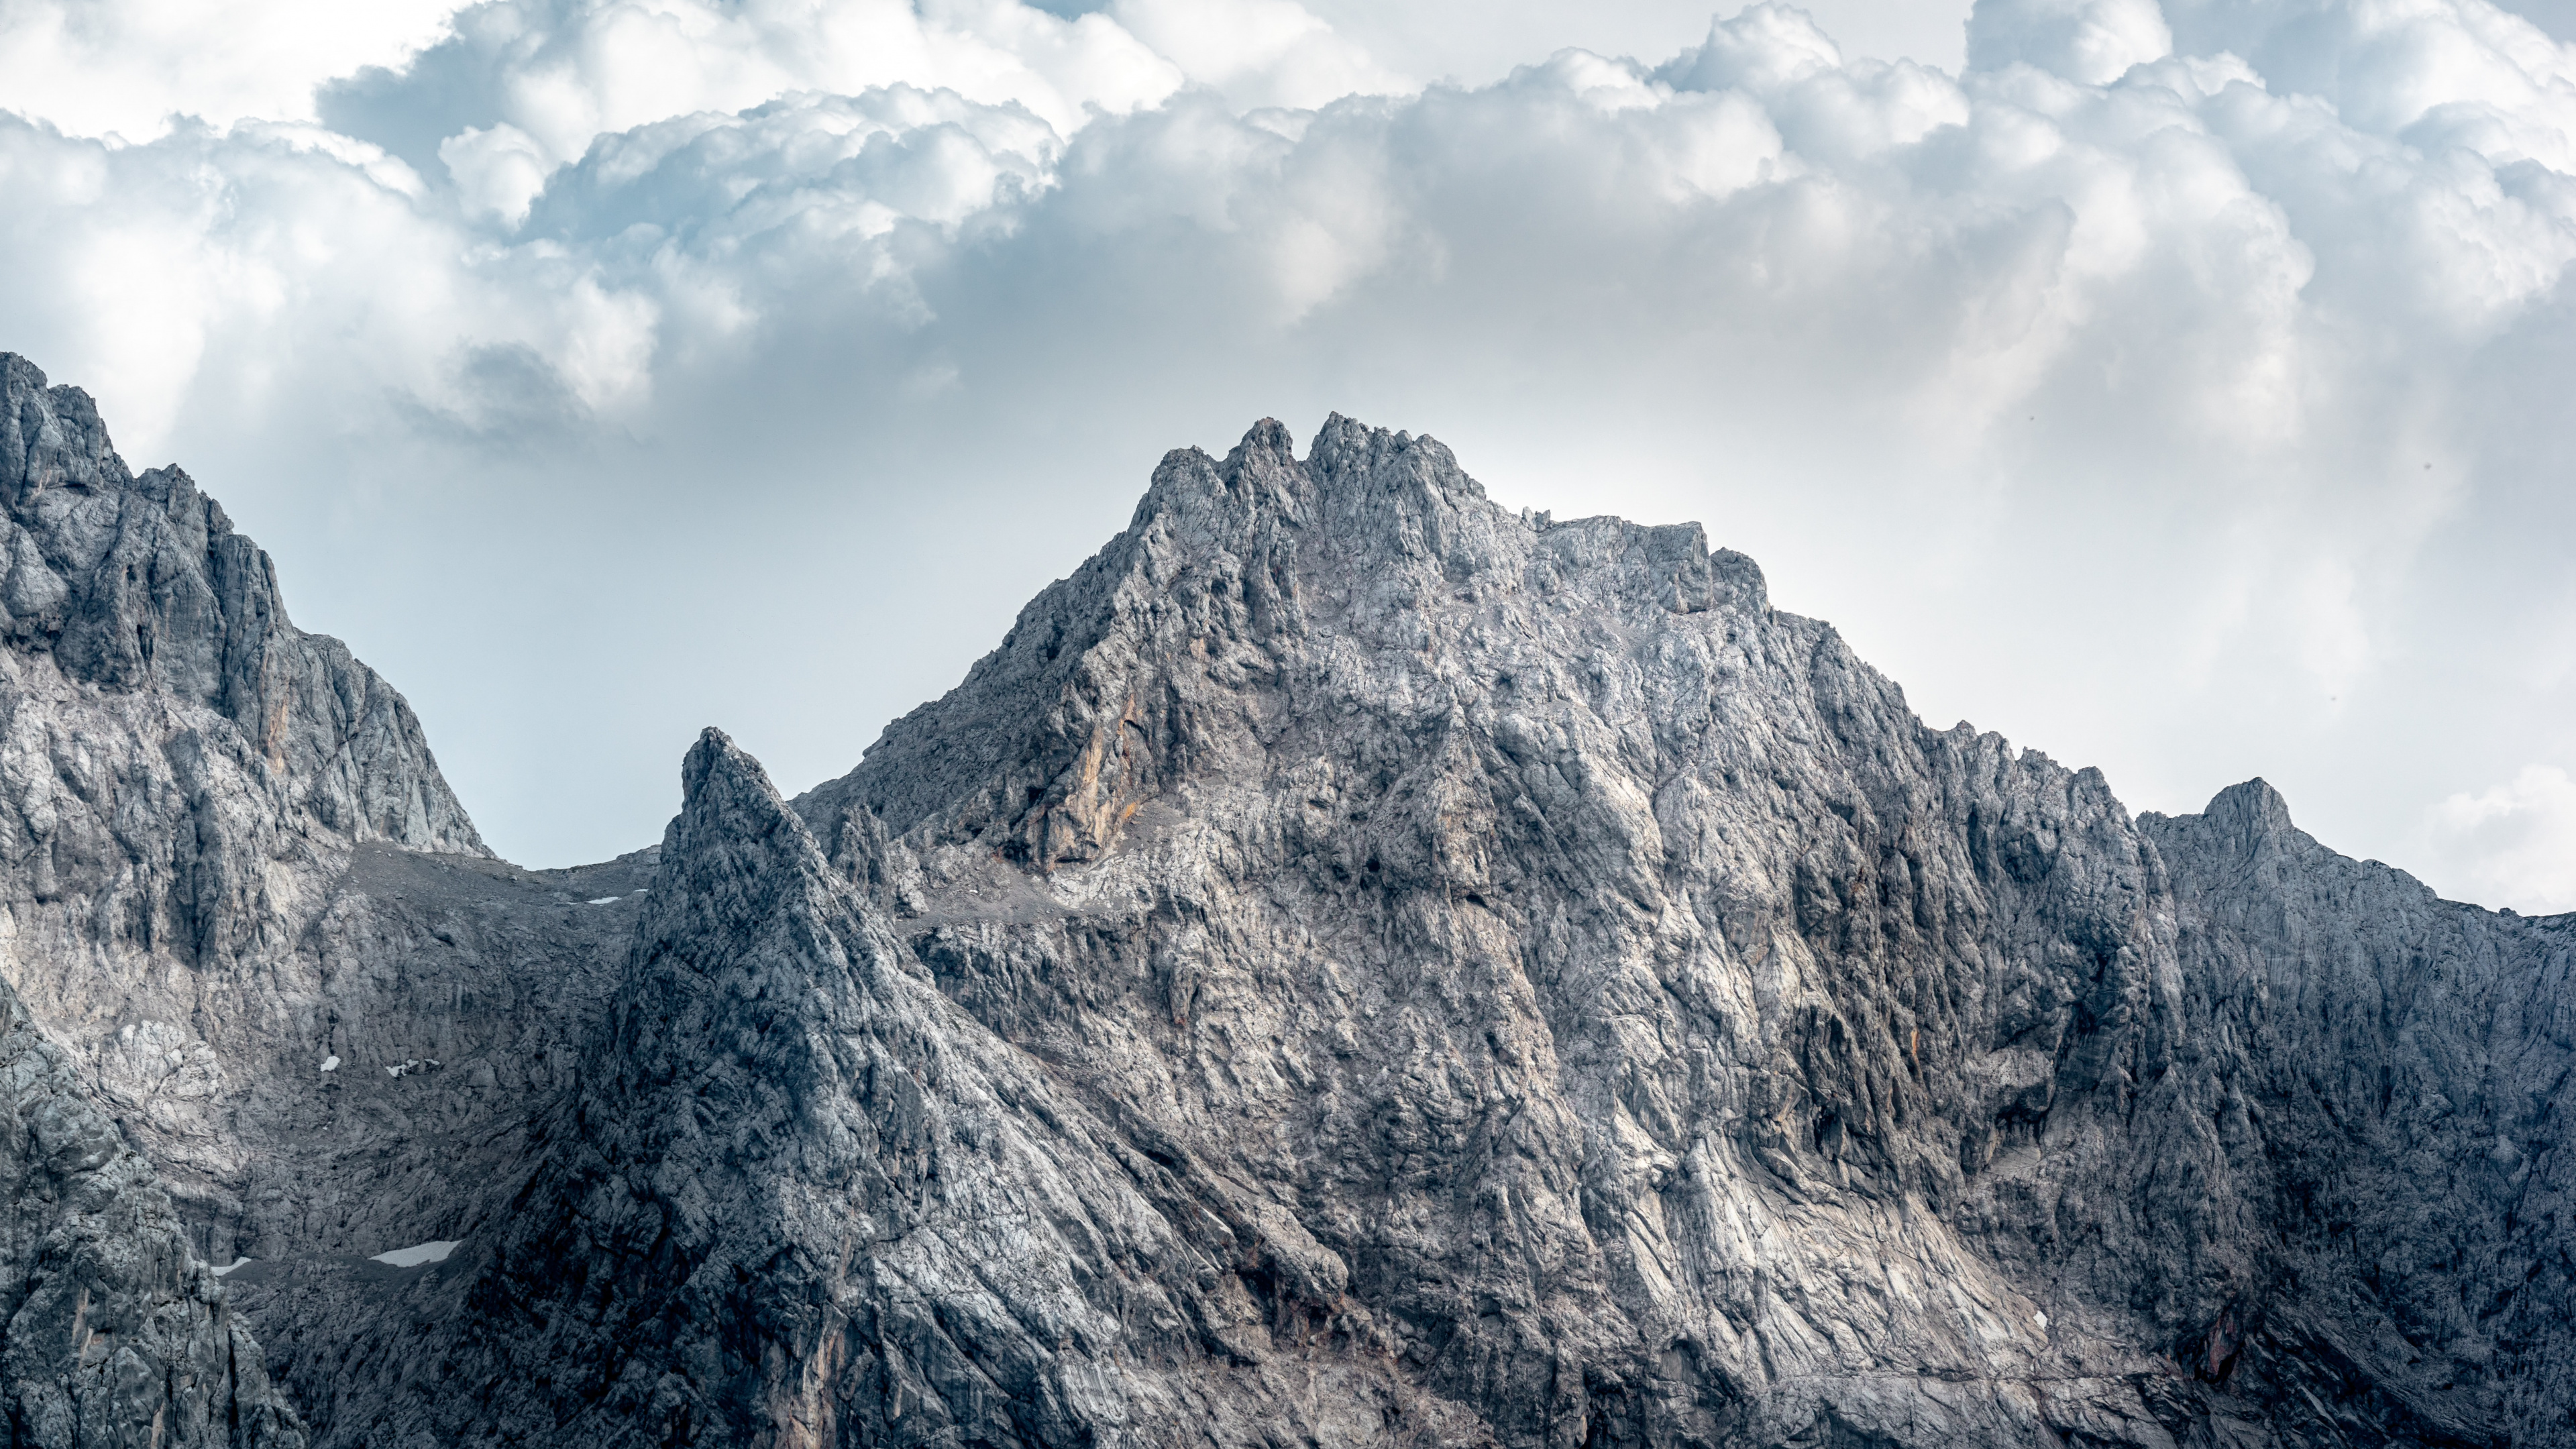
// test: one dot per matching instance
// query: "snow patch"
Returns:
(331, 1064)
(416, 1254)
(228, 1267)
(603, 900)
(411, 1064)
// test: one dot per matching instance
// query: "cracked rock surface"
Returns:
(1355, 965)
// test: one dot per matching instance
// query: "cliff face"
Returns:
(2392, 1070)
(124, 585)
(185, 778)
(1354, 966)
(275, 967)
(1672, 1036)
(800, 1197)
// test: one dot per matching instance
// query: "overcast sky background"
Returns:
(2181, 390)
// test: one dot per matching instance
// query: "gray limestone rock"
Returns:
(129, 584)
(1676, 1039)
(111, 1332)
(187, 784)
(2388, 1068)
(234, 890)
(800, 1197)
(1355, 965)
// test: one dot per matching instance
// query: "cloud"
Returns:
(1257, 53)
(498, 170)
(2090, 42)
(2515, 841)
(2153, 387)
(561, 73)
(95, 67)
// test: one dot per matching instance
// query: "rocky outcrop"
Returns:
(235, 892)
(129, 584)
(1356, 965)
(185, 781)
(112, 1333)
(800, 1197)
(2391, 1069)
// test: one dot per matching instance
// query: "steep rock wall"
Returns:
(234, 886)
(2393, 1069)
(1671, 1034)
(800, 1198)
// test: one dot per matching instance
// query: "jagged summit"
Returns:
(1373, 529)
(1264, 470)
(2250, 810)
(2253, 803)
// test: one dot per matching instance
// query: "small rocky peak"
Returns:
(745, 927)
(733, 826)
(1392, 500)
(1267, 440)
(719, 778)
(50, 437)
(2252, 810)
(744, 890)
(1194, 495)
(1351, 454)
(1263, 472)
(2248, 823)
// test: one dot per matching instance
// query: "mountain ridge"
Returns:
(1355, 964)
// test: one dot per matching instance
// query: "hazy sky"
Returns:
(2178, 390)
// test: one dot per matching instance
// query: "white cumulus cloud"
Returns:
(96, 67)
(2173, 386)
(2513, 842)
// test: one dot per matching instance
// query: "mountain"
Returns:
(1355, 965)
(255, 927)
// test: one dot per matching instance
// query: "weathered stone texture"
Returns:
(112, 1334)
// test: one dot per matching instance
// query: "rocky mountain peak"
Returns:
(732, 824)
(1368, 490)
(2252, 813)
(1350, 454)
(2247, 827)
(1249, 572)
(139, 583)
(50, 437)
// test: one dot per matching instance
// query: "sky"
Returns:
(2177, 389)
